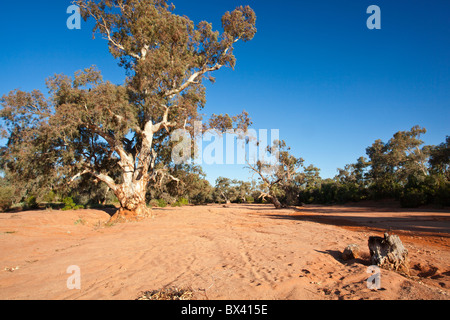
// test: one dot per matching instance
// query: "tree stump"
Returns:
(389, 253)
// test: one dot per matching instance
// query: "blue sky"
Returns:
(314, 70)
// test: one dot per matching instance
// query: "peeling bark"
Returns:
(132, 201)
(389, 253)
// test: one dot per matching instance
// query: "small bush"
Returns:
(162, 203)
(154, 203)
(31, 203)
(442, 196)
(413, 198)
(50, 197)
(181, 202)
(6, 195)
(184, 201)
(70, 205)
(80, 221)
(167, 198)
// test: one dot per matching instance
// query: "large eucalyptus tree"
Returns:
(120, 134)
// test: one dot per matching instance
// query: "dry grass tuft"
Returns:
(168, 294)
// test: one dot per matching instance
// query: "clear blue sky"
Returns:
(314, 70)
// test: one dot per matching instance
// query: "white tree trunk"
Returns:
(132, 201)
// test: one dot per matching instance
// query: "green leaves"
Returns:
(240, 23)
(440, 158)
(396, 160)
(120, 133)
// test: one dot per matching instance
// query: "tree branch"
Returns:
(107, 31)
(192, 79)
(163, 173)
(165, 121)
(102, 177)
(126, 160)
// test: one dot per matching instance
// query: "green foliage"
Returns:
(401, 169)
(180, 202)
(31, 203)
(89, 129)
(232, 191)
(80, 221)
(224, 190)
(281, 182)
(162, 203)
(183, 201)
(191, 185)
(69, 204)
(50, 197)
(413, 198)
(250, 199)
(442, 195)
(6, 197)
(202, 194)
(440, 159)
(154, 203)
(429, 190)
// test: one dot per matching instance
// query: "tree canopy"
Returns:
(119, 134)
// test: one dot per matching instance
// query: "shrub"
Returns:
(80, 221)
(184, 201)
(442, 196)
(201, 197)
(167, 198)
(413, 198)
(181, 202)
(154, 203)
(6, 195)
(162, 203)
(31, 203)
(70, 205)
(51, 196)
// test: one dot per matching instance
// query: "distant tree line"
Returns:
(403, 169)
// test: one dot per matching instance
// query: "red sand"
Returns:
(240, 252)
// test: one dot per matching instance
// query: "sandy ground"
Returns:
(240, 252)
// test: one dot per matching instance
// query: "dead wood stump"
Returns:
(389, 253)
